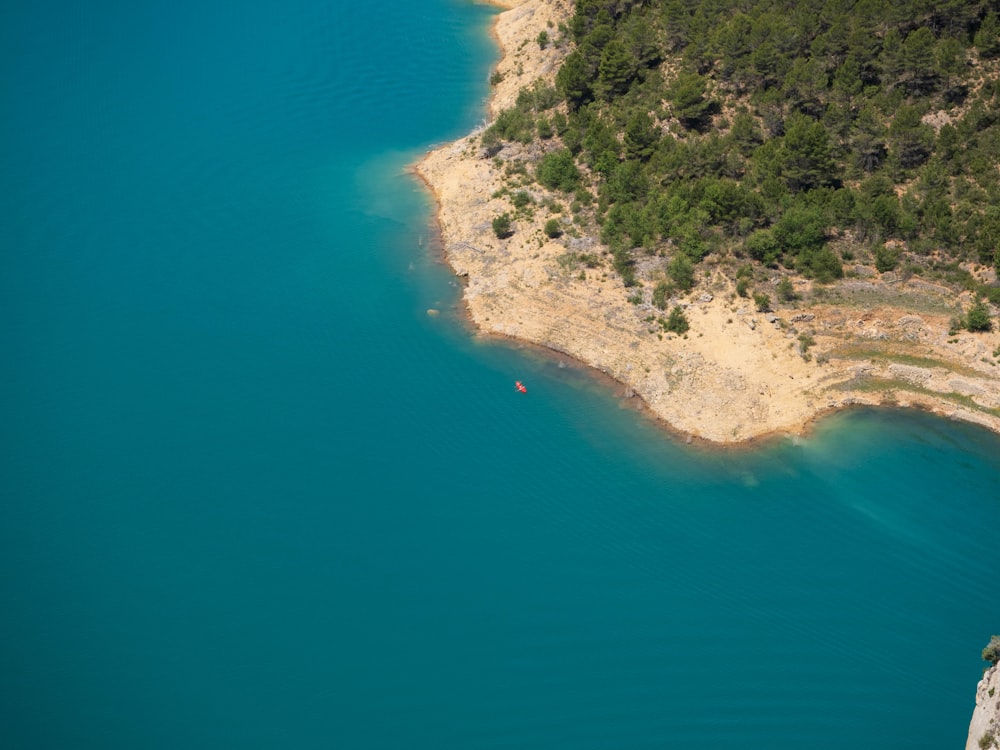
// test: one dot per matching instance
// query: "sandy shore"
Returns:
(738, 374)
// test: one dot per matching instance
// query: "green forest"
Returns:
(792, 135)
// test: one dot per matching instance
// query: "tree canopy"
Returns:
(772, 128)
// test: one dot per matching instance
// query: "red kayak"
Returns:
(520, 386)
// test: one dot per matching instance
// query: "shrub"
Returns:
(762, 246)
(805, 341)
(624, 265)
(800, 229)
(885, 258)
(501, 226)
(520, 199)
(992, 651)
(681, 270)
(693, 247)
(557, 171)
(559, 123)
(978, 318)
(762, 301)
(786, 290)
(552, 229)
(992, 293)
(742, 287)
(821, 264)
(677, 322)
(543, 39)
(510, 125)
(661, 293)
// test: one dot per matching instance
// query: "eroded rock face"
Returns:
(986, 716)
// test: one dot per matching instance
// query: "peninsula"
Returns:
(740, 343)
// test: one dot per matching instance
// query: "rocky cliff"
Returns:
(984, 729)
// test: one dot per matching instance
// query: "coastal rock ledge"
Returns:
(984, 729)
(737, 374)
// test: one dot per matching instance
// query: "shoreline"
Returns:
(739, 376)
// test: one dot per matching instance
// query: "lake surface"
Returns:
(252, 495)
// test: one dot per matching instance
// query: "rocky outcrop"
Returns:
(984, 729)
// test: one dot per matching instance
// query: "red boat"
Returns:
(520, 386)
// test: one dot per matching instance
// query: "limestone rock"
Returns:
(986, 715)
(910, 373)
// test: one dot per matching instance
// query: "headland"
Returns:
(738, 373)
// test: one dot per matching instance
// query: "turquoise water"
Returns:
(253, 496)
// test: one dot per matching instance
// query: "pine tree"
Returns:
(891, 61)
(911, 140)
(806, 159)
(916, 54)
(573, 80)
(690, 104)
(640, 136)
(987, 39)
(616, 70)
